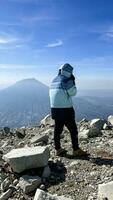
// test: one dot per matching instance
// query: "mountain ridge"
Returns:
(23, 103)
(27, 102)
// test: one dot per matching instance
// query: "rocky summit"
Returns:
(30, 169)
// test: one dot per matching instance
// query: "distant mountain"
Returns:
(93, 107)
(27, 102)
(24, 103)
(95, 93)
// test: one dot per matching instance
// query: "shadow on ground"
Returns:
(101, 159)
(58, 172)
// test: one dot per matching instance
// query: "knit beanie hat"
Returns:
(67, 67)
(66, 70)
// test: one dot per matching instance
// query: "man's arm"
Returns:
(70, 87)
(72, 91)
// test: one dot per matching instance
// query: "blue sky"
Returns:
(37, 36)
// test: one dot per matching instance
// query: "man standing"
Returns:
(61, 91)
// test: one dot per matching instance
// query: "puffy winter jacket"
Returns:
(61, 91)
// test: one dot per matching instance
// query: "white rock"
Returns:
(46, 172)
(92, 132)
(21, 144)
(27, 158)
(110, 119)
(29, 183)
(41, 195)
(75, 162)
(5, 144)
(5, 184)
(83, 135)
(106, 127)
(47, 121)
(42, 187)
(48, 131)
(97, 123)
(84, 120)
(15, 182)
(39, 138)
(90, 198)
(105, 191)
(6, 194)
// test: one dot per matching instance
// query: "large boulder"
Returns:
(97, 123)
(41, 195)
(22, 159)
(29, 183)
(105, 191)
(110, 119)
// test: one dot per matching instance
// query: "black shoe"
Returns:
(61, 152)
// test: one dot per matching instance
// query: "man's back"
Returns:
(60, 88)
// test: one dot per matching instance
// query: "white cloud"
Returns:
(109, 35)
(13, 40)
(96, 63)
(55, 44)
(9, 24)
(36, 18)
(106, 34)
(7, 39)
(15, 66)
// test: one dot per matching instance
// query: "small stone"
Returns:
(1, 151)
(47, 121)
(105, 190)
(83, 135)
(15, 182)
(42, 195)
(21, 144)
(6, 130)
(74, 163)
(5, 184)
(18, 186)
(97, 123)
(6, 194)
(42, 187)
(90, 198)
(110, 119)
(29, 183)
(106, 127)
(20, 133)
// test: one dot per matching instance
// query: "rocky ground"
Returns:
(72, 177)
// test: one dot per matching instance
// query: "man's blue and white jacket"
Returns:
(61, 91)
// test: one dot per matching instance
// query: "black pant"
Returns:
(65, 116)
